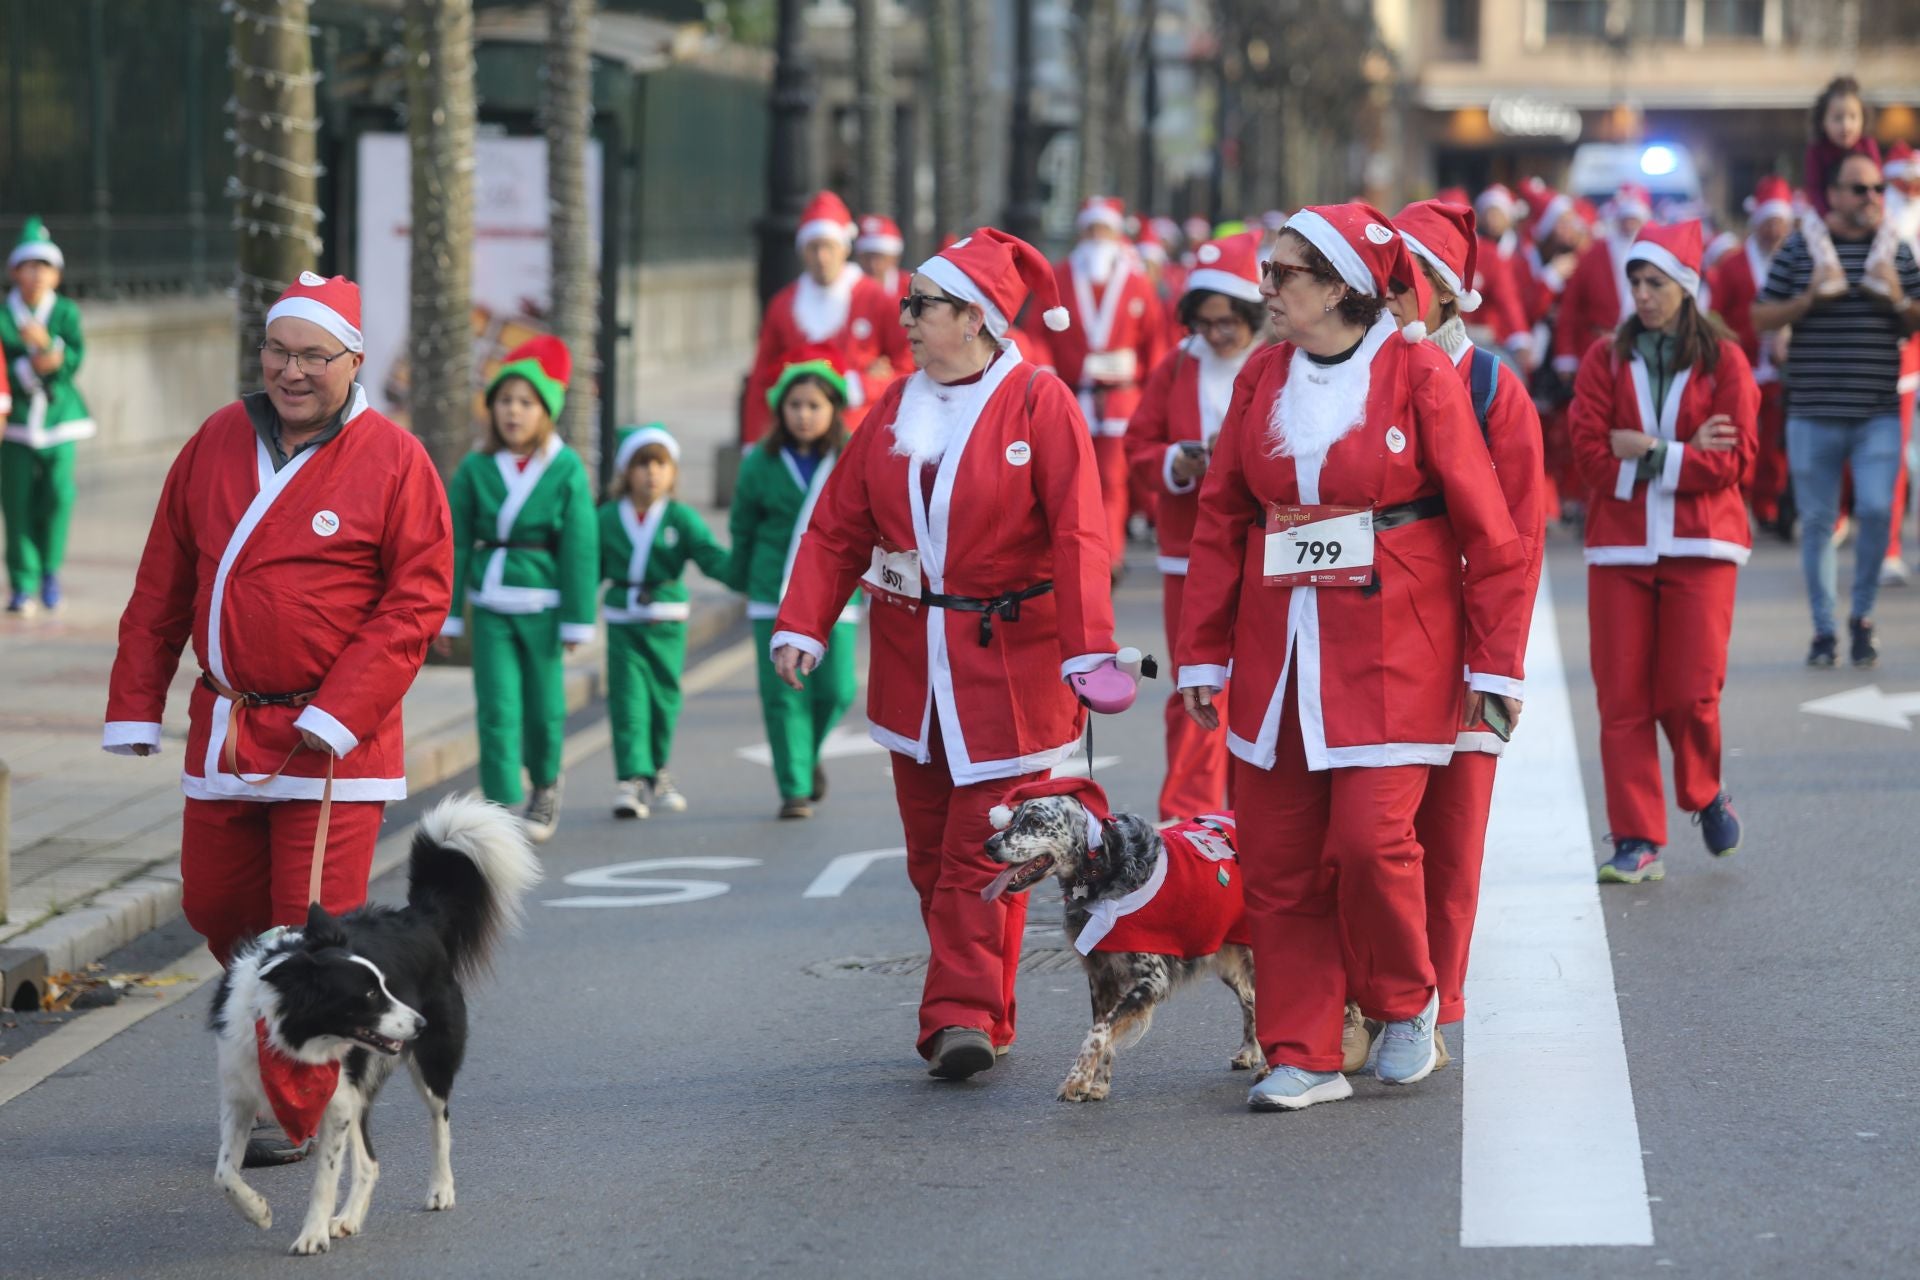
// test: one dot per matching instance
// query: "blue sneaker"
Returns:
(50, 592)
(1633, 860)
(1407, 1053)
(22, 605)
(1719, 826)
(1293, 1088)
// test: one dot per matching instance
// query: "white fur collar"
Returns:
(1321, 403)
(820, 310)
(1095, 259)
(932, 415)
(1217, 374)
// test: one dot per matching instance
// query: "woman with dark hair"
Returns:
(1169, 440)
(1664, 426)
(1349, 482)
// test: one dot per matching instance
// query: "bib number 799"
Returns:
(1322, 552)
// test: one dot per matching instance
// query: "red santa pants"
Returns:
(1196, 781)
(1111, 453)
(1768, 478)
(1658, 635)
(1330, 858)
(1452, 829)
(244, 864)
(975, 945)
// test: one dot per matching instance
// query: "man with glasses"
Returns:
(302, 544)
(1843, 374)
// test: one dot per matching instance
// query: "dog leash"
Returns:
(242, 701)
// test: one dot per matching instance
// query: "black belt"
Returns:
(1006, 606)
(259, 699)
(1426, 508)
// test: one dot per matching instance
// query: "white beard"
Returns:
(821, 310)
(1217, 374)
(1095, 259)
(1321, 403)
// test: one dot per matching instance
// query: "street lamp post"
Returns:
(789, 155)
(1023, 177)
(1149, 159)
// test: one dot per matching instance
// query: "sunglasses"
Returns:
(1278, 273)
(915, 304)
(1864, 189)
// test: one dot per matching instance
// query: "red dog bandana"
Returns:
(298, 1092)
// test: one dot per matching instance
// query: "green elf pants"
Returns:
(36, 497)
(519, 682)
(798, 720)
(644, 661)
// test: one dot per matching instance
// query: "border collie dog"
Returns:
(368, 990)
(1147, 911)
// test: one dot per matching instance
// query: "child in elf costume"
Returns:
(646, 538)
(525, 554)
(40, 335)
(780, 480)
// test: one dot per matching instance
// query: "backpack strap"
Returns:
(1485, 383)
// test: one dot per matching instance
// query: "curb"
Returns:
(116, 915)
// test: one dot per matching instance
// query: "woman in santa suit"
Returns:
(1664, 422)
(1349, 482)
(969, 507)
(1168, 441)
(1452, 821)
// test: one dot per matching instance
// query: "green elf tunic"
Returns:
(643, 559)
(772, 504)
(526, 556)
(36, 457)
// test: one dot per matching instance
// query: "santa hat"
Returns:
(1453, 195)
(826, 218)
(1630, 201)
(1771, 198)
(1230, 265)
(1534, 193)
(1102, 211)
(998, 273)
(1555, 207)
(333, 304)
(1166, 228)
(1149, 244)
(818, 360)
(545, 363)
(1719, 247)
(879, 234)
(36, 246)
(1198, 230)
(1901, 162)
(1360, 242)
(1676, 250)
(1088, 792)
(1497, 196)
(634, 439)
(1441, 234)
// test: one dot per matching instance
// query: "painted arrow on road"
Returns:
(1868, 705)
(838, 745)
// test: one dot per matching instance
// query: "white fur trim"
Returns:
(318, 312)
(945, 273)
(1175, 485)
(119, 737)
(582, 632)
(1214, 280)
(1203, 676)
(1505, 686)
(1662, 257)
(1100, 215)
(638, 440)
(1086, 662)
(793, 639)
(453, 627)
(823, 229)
(37, 251)
(1345, 258)
(1321, 403)
(327, 729)
(820, 310)
(892, 245)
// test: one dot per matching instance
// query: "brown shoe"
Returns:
(819, 783)
(1440, 1049)
(959, 1052)
(1356, 1040)
(795, 807)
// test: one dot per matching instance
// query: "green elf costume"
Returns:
(643, 559)
(46, 419)
(525, 555)
(773, 502)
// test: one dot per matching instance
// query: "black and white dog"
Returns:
(367, 990)
(1114, 867)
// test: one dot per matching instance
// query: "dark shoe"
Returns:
(543, 813)
(795, 807)
(1719, 826)
(22, 605)
(959, 1052)
(1822, 651)
(1633, 861)
(1863, 651)
(268, 1148)
(819, 783)
(50, 595)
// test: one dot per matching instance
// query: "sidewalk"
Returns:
(95, 838)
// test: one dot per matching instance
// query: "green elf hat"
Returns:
(634, 439)
(821, 361)
(545, 363)
(36, 246)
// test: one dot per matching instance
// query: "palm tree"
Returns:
(568, 117)
(440, 121)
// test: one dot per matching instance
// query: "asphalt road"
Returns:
(707, 1088)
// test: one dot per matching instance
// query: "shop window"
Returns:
(1460, 24)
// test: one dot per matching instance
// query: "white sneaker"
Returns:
(1407, 1049)
(1293, 1088)
(668, 796)
(1894, 572)
(630, 799)
(543, 813)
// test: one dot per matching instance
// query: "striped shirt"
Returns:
(1844, 359)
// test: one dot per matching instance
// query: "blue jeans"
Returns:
(1818, 451)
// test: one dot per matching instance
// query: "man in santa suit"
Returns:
(303, 545)
(969, 509)
(1119, 333)
(1502, 314)
(1550, 258)
(833, 304)
(1597, 299)
(877, 249)
(1736, 282)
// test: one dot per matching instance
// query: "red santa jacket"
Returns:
(330, 575)
(1118, 335)
(1378, 668)
(1737, 280)
(1595, 302)
(1514, 441)
(871, 331)
(1172, 410)
(1500, 311)
(1693, 507)
(1014, 502)
(1190, 907)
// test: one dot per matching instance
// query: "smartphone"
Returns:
(1493, 711)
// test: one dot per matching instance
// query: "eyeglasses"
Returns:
(1278, 273)
(916, 303)
(1224, 326)
(274, 358)
(1864, 189)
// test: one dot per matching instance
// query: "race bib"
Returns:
(1110, 366)
(1319, 546)
(894, 576)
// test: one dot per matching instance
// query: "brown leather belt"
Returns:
(231, 757)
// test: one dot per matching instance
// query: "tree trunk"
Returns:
(275, 165)
(946, 58)
(1097, 21)
(568, 117)
(440, 123)
(873, 94)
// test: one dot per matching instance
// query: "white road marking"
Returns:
(839, 744)
(646, 889)
(1868, 705)
(845, 869)
(1550, 1150)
